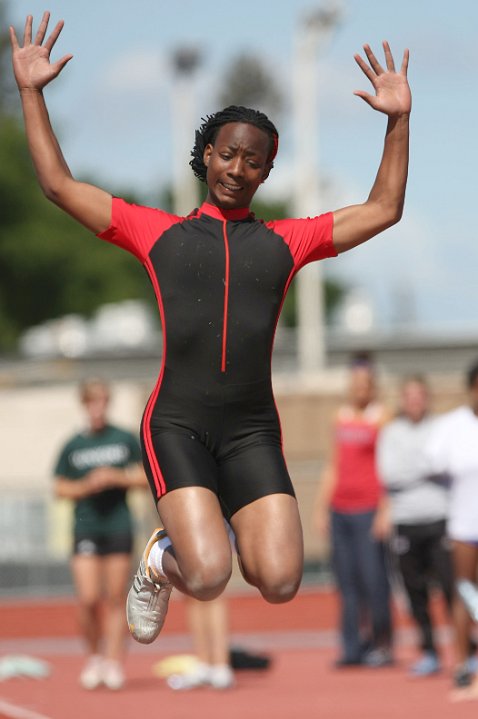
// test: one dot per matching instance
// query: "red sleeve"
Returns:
(308, 239)
(136, 228)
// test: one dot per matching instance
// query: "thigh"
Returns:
(86, 570)
(411, 558)
(116, 571)
(174, 459)
(112, 542)
(269, 537)
(195, 524)
(344, 558)
(465, 560)
(253, 473)
(440, 558)
(370, 555)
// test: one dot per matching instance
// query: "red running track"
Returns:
(300, 683)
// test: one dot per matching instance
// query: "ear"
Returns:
(266, 172)
(207, 154)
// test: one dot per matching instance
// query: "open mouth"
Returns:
(231, 188)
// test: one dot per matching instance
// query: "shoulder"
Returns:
(344, 413)
(115, 430)
(377, 413)
(72, 442)
(456, 417)
(394, 426)
(309, 238)
(137, 227)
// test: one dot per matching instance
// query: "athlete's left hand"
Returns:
(392, 91)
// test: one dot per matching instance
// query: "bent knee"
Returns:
(89, 603)
(280, 589)
(207, 583)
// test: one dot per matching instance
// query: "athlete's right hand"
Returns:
(31, 63)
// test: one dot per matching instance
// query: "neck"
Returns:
(222, 213)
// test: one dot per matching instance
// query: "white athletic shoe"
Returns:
(221, 676)
(147, 602)
(112, 674)
(91, 675)
(195, 677)
(203, 675)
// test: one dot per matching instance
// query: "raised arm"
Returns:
(384, 206)
(33, 71)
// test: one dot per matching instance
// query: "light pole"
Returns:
(314, 29)
(185, 192)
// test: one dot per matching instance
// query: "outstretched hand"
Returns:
(392, 92)
(31, 62)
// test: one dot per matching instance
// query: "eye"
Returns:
(224, 155)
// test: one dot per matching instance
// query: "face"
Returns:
(96, 405)
(415, 401)
(362, 386)
(236, 165)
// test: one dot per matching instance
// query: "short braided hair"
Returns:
(211, 125)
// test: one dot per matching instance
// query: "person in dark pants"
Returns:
(349, 503)
(418, 507)
(359, 565)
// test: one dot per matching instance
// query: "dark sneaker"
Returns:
(427, 665)
(462, 677)
(378, 658)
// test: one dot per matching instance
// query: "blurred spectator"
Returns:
(208, 623)
(95, 469)
(418, 507)
(349, 499)
(453, 450)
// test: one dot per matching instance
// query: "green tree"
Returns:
(49, 264)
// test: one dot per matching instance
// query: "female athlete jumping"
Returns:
(210, 432)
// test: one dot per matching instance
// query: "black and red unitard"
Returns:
(220, 278)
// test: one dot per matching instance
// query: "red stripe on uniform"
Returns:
(148, 441)
(287, 285)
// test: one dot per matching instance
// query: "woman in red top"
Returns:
(350, 499)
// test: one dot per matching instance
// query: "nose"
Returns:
(235, 168)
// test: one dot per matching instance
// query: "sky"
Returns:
(111, 110)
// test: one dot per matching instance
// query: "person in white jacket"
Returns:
(453, 449)
(418, 509)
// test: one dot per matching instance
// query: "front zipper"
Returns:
(226, 297)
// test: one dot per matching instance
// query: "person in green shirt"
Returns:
(95, 469)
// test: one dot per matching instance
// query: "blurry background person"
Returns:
(95, 469)
(209, 627)
(418, 507)
(350, 498)
(453, 450)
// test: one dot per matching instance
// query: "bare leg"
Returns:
(199, 563)
(87, 578)
(270, 546)
(116, 574)
(210, 632)
(465, 561)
